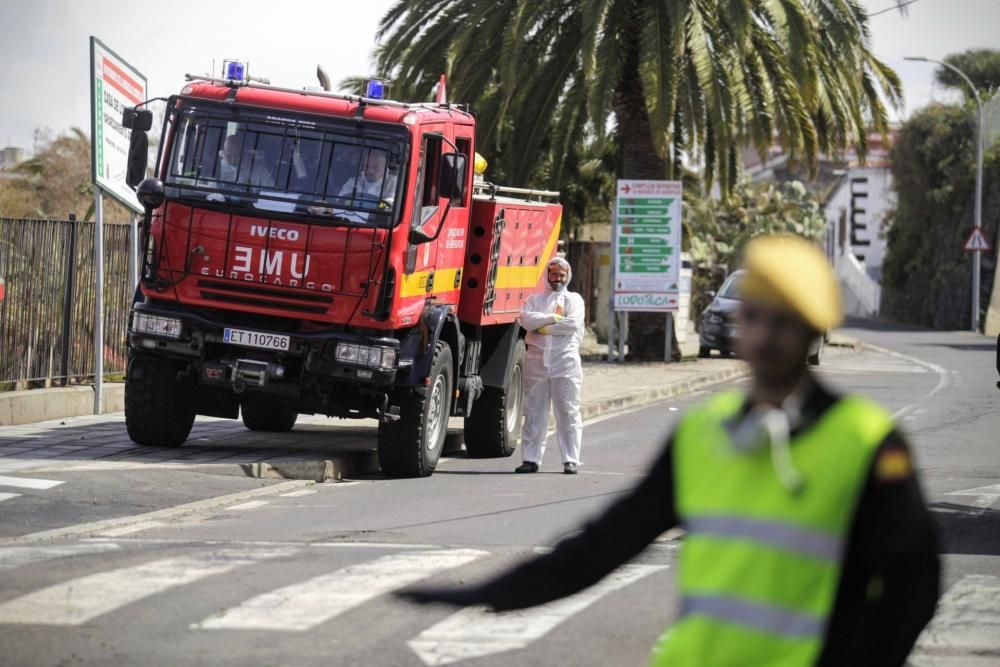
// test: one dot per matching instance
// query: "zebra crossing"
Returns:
(110, 585)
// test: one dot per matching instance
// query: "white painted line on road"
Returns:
(476, 632)
(8, 496)
(28, 483)
(209, 504)
(11, 557)
(983, 496)
(966, 625)
(306, 604)
(134, 528)
(79, 600)
(943, 379)
(297, 494)
(253, 504)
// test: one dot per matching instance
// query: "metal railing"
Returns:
(47, 314)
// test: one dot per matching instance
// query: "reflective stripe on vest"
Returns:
(759, 566)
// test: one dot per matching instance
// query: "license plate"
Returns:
(255, 339)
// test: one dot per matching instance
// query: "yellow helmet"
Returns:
(790, 272)
(479, 165)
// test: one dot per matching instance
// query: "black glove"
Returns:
(450, 595)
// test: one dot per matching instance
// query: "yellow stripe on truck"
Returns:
(415, 284)
(528, 276)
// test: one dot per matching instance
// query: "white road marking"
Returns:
(967, 624)
(983, 496)
(134, 528)
(8, 496)
(11, 557)
(943, 379)
(79, 600)
(475, 632)
(171, 513)
(308, 603)
(28, 482)
(248, 506)
(296, 494)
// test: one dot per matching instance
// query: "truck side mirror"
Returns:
(139, 121)
(454, 168)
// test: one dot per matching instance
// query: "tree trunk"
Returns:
(640, 161)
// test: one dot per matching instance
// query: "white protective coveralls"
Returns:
(552, 370)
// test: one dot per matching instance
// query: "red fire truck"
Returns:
(310, 252)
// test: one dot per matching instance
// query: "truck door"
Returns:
(442, 257)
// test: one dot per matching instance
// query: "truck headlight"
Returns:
(366, 355)
(169, 327)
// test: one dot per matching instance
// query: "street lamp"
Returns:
(978, 222)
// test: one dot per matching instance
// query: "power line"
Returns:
(895, 7)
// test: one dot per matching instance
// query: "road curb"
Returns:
(36, 405)
(639, 399)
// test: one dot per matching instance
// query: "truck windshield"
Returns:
(275, 163)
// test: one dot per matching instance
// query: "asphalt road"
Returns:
(150, 563)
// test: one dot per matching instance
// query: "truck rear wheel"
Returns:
(259, 416)
(493, 427)
(159, 410)
(411, 445)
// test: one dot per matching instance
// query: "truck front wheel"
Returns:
(493, 427)
(259, 416)
(411, 445)
(159, 409)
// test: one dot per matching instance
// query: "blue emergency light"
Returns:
(375, 89)
(235, 70)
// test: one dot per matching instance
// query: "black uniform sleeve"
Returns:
(890, 579)
(579, 561)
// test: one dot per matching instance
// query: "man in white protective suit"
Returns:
(552, 370)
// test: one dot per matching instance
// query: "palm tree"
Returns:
(684, 80)
(687, 82)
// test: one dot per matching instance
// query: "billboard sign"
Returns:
(114, 85)
(647, 245)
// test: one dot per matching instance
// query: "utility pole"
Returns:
(978, 221)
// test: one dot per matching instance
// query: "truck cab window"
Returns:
(464, 146)
(430, 166)
(288, 164)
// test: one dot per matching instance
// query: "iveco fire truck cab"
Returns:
(309, 252)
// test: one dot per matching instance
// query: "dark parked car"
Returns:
(719, 330)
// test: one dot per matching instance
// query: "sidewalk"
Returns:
(609, 387)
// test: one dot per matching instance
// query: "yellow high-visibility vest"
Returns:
(760, 565)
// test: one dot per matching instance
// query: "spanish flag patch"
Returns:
(893, 464)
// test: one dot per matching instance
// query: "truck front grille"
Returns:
(295, 301)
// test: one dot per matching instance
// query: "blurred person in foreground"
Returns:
(807, 541)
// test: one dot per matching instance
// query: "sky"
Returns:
(44, 78)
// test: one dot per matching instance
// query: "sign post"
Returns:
(114, 85)
(647, 250)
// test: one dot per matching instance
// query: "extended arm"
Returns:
(577, 562)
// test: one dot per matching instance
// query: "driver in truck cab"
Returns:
(371, 183)
(243, 166)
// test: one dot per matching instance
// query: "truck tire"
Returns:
(493, 427)
(259, 416)
(411, 445)
(159, 410)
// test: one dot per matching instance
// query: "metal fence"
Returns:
(47, 315)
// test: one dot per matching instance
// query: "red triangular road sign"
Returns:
(977, 241)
